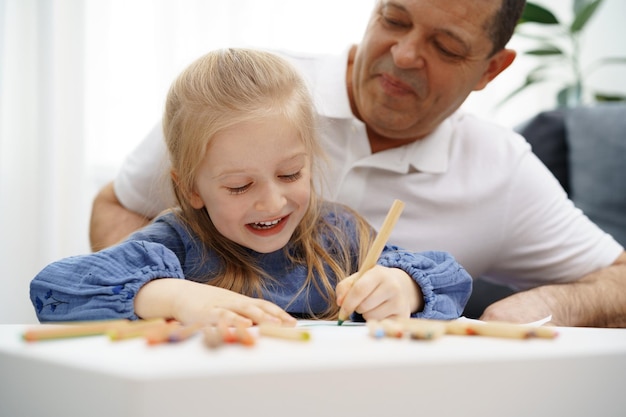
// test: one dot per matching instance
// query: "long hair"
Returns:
(231, 86)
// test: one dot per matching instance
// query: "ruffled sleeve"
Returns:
(100, 285)
(445, 284)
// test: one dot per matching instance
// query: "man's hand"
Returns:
(110, 221)
(596, 300)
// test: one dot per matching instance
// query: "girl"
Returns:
(251, 241)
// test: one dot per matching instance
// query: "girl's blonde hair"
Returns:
(222, 89)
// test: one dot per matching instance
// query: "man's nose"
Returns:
(407, 52)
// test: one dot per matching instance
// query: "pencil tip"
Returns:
(339, 322)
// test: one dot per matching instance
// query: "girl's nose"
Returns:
(271, 199)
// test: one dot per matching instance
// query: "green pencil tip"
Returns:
(339, 322)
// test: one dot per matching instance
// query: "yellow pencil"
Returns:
(75, 329)
(289, 333)
(377, 247)
(137, 328)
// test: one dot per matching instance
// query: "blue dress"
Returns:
(103, 285)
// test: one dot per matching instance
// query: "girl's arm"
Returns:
(140, 279)
(100, 285)
(444, 283)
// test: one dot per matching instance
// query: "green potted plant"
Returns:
(558, 49)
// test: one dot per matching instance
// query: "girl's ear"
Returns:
(191, 196)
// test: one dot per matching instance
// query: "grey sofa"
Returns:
(585, 148)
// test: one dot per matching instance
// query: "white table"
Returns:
(340, 372)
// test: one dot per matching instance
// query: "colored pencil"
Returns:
(434, 329)
(424, 329)
(76, 329)
(136, 329)
(183, 332)
(212, 337)
(377, 247)
(499, 329)
(244, 336)
(289, 333)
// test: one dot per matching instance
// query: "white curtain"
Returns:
(82, 81)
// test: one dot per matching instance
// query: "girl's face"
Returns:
(255, 182)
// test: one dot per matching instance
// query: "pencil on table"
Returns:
(243, 336)
(424, 329)
(289, 333)
(161, 334)
(499, 329)
(77, 329)
(377, 247)
(212, 337)
(137, 328)
(183, 332)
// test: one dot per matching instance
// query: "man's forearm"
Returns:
(110, 221)
(596, 300)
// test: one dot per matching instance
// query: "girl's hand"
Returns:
(192, 302)
(380, 293)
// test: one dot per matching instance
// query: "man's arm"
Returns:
(110, 221)
(596, 300)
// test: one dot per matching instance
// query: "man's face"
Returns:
(418, 61)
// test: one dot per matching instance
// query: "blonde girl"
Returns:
(251, 240)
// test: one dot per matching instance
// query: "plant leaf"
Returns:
(583, 16)
(537, 14)
(609, 97)
(545, 50)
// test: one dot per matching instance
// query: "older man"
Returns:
(390, 121)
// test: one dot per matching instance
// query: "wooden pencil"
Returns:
(244, 336)
(137, 328)
(499, 329)
(377, 247)
(183, 332)
(212, 337)
(289, 333)
(424, 329)
(76, 329)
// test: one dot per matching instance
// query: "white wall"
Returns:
(81, 82)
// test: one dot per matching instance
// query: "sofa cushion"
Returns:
(546, 134)
(596, 138)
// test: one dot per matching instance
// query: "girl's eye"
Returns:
(238, 190)
(291, 177)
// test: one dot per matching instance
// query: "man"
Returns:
(389, 120)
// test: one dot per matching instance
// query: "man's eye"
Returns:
(394, 23)
(447, 52)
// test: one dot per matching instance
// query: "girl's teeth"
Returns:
(262, 225)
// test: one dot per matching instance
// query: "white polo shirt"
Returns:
(471, 188)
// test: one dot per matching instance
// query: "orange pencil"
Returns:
(161, 334)
(244, 336)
